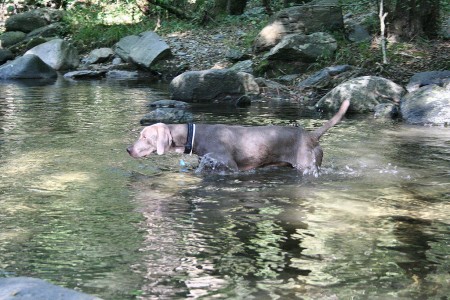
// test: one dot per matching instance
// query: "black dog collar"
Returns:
(190, 139)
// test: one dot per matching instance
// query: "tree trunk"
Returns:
(178, 12)
(411, 18)
(236, 7)
(229, 7)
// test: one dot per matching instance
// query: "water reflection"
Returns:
(76, 210)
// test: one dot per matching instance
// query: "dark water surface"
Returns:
(76, 210)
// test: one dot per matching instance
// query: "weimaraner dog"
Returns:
(239, 147)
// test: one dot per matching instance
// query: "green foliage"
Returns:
(103, 25)
(360, 6)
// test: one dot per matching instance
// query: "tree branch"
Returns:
(382, 17)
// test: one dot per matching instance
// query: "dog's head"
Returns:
(154, 138)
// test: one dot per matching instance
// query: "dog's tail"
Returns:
(333, 121)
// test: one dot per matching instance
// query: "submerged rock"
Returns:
(167, 115)
(24, 288)
(122, 74)
(85, 74)
(169, 104)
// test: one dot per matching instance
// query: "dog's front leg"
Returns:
(213, 162)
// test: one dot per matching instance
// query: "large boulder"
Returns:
(5, 55)
(33, 19)
(123, 47)
(304, 48)
(359, 28)
(212, 86)
(58, 54)
(51, 30)
(429, 105)
(319, 15)
(27, 67)
(25, 22)
(364, 93)
(11, 37)
(144, 50)
(21, 288)
(427, 78)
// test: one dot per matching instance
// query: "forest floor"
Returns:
(206, 48)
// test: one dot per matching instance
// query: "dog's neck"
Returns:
(179, 137)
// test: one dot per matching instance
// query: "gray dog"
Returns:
(239, 147)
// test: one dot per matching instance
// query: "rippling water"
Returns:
(76, 210)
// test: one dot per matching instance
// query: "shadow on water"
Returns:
(79, 212)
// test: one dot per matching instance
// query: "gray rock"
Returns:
(270, 84)
(427, 78)
(212, 86)
(318, 80)
(167, 115)
(116, 61)
(288, 79)
(169, 104)
(100, 55)
(58, 54)
(25, 22)
(123, 47)
(235, 55)
(25, 288)
(386, 111)
(305, 48)
(429, 105)
(243, 66)
(51, 30)
(357, 33)
(85, 74)
(10, 38)
(144, 50)
(5, 55)
(364, 93)
(323, 78)
(122, 74)
(360, 27)
(27, 67)
(313, 17)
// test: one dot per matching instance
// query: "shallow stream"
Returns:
(77, 211)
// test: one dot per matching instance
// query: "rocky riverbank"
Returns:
(297, 60)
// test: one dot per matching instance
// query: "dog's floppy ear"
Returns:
(163, 138)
